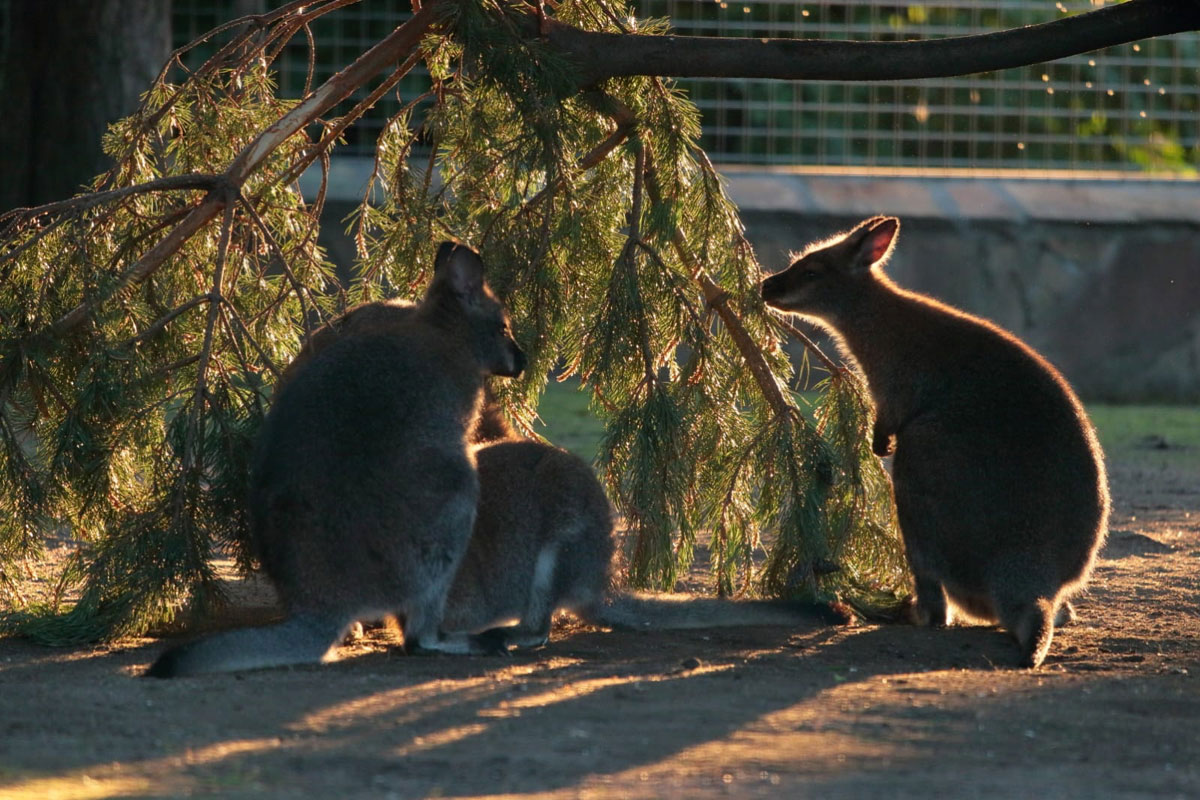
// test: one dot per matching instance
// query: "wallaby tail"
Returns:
(644, 611)
(299, 639)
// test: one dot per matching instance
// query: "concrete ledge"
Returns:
(1014, 197)
(1059, 197)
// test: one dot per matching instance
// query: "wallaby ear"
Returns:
(459, 268)
(874, 239)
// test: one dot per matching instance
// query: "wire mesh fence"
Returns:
(1134, 107)
(1129, 107)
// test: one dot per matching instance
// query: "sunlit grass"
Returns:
(1126, 426)
(568, 421)
(1126, 431)
(1166, 434)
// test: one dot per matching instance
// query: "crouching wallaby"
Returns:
(999, 480)
(543, 538)
(362, 490)
(543, 543)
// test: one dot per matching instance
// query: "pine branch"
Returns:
(718, 299)
(395, 46)
(628, 260)
(345, 121)
(714, 295)
(160, 324)
(17, 217)
(216, 297)
(401, 41)
(280, 256)
(625, 123)
(833, 367)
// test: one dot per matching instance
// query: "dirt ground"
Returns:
(860, 711)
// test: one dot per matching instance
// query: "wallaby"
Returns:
(488, 425)
(998, 477)
(543, 538)
(543, 542)
(362, 489)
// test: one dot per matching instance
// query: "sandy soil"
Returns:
(859, 711)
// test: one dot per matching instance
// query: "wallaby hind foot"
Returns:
(459, 644)
(520, 636)
(533, 630)
(930, 608)
(1066, 615)
(1032, 625)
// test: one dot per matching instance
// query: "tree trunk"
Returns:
(68, 70)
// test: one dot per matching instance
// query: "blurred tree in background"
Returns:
(68, 69)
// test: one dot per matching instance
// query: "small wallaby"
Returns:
(543, 543)
(543, 537)
(362, 489)
(998, 477)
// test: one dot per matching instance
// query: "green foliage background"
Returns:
(131, 432)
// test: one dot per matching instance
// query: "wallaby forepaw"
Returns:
(413, 647)
(493, 642)
(927, 615)
(165, 666)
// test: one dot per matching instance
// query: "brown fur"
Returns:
(999, 480)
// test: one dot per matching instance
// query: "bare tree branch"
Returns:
(608, 55)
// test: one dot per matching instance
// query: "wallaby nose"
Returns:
(770, 288)
(519, 361)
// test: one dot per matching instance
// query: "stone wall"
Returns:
(1100, 275)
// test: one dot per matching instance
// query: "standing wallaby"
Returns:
(362, 490)
(999, 480)
(543, 538)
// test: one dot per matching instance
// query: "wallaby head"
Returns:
(824, 279)
(460, 302)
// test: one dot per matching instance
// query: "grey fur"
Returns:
(363, 492)
(999, 481)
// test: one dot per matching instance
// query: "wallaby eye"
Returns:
(809, 274)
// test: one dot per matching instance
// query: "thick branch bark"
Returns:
(609, 55)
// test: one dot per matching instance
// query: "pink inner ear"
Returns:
(881, 239)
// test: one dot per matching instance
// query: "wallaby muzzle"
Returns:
(519, 362)
(773, 289)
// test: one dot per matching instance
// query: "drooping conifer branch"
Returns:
(718, 299)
